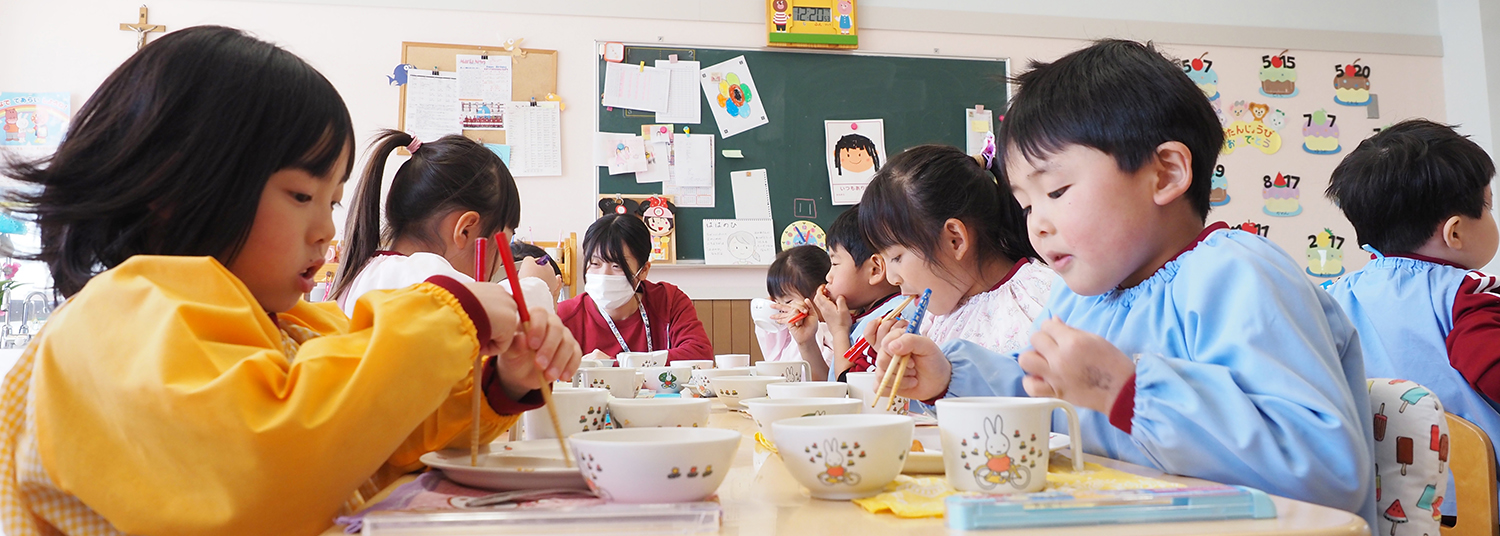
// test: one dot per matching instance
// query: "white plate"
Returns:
(516, 465)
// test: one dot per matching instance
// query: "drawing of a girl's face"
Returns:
(855, 160)
(739, 249)
(659, 226)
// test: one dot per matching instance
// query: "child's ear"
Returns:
(1453, 231)
(876, 275)
(955, 239)
(1172, 172)
(465, 229)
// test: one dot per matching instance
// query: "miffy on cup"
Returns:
(999, 467)
(833, 461)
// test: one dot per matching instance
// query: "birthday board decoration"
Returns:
(1320, 135)
(1283, 199)
(659, 212)
(1278, 75)
(1255, 228)
(1325, 258)
(1219, 195)
(1249, 127)
(1201, 72)
(1351, 84)
(803, 233)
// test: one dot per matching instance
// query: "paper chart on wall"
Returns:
(682, 103)
(736, 103)
(752, 195)
(693, 159)
(854, 150)
(432, 107)
(738, 241)
(977, 126)
(484, 86)
(636, 87)
(660, 160)
(535, 137)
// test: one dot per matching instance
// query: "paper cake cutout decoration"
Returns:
(1201, 72)
(1281, 195)
(1351, 84)
(1278, 75)
(1320, 135)
(1325, 258)
(1219, 195)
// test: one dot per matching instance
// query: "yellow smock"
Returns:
(161, 399)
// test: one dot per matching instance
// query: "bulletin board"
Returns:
(534, 75)
(921, 99)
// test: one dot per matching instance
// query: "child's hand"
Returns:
(876, 332)
(927, 369)
(500, 308)
(834, 311)
(1074, 365)
(802, 330)
(546, 345)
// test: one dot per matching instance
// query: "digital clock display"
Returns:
(812, 14)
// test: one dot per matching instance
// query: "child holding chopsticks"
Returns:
(185, 388)
(856, 295)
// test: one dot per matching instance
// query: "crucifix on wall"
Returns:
(141, 28)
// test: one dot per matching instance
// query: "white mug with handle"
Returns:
(999, 444)
(793, 371)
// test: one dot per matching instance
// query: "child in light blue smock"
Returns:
(1198, 350)
(1418, 194)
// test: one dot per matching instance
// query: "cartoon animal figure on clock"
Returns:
(660, 216)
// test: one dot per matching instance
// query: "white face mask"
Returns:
(608, 291)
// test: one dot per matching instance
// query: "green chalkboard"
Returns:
(921, 100)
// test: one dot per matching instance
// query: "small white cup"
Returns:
(642, 359)
(667, 379)
(996, 444)
(697, 364)
(580, 410)
(792, 371)
(808, 389)
(761, 310)
(732, 360)
(621, 382)
(862, 385)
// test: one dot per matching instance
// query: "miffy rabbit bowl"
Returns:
(841, 457)
(768, 410)
(655, 465)
(660, 412)
(733, 389)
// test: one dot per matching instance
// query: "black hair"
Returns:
(442, 175)
(1121, 97)
(907, 202)
(1400, 184)
(521, 250)
(855, 141)
(170, 155)
(801, 269)
(845, 233)
(611, 236)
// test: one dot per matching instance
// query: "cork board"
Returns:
(534, 74)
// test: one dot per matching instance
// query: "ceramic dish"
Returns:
(509, 466)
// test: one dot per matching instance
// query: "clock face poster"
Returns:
(855, 150)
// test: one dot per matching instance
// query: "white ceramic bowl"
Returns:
(733, 389)
(668, 379)
(768, 410)
(697, 364)
(660, 412)
(580, 410)
(655, 465)
(842, 457)
(862, 385)
(702, 380)
(808, 389)
(621, 382)
(731, 360)
(642, 359)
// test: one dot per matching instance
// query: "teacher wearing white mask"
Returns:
(619, 310)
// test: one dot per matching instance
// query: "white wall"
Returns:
(72, 46)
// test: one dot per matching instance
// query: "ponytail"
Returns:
(362, 228)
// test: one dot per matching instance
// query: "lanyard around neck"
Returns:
(644, 322)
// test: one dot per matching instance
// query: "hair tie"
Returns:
(414, 145)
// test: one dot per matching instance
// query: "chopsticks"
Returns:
(900, 361)
(515, 290)
(479, 255)
(862, 345)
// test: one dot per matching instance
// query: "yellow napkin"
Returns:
(923, 497)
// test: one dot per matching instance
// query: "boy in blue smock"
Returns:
(1197, 350)
(1418, 194)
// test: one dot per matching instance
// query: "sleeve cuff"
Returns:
(1123, 411)
(470, 303)
(495, 395)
